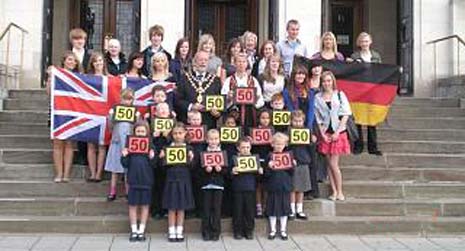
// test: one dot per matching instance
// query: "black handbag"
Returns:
(351, 127)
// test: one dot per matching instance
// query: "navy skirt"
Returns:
(278, 204)
(139, 197)
(177, 194)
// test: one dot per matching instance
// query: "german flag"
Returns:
(370, 88)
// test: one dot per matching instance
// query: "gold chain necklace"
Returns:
(197, 84)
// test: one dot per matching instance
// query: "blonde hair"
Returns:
(114, 41)
(194, 113)
(298, 114)
(160, 56)
(330, 74)
(156, 30)
(127, 93)
(77, 33)
(280, 136)
(267, 72)
(331, 35)
(213, 131)
(249, 34)
(361, 36)
(205, 38)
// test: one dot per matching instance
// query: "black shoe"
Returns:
(271, 235)
(238, 236)
(133, 237)
(206, 237)
(179, 237)
(284, 236)
(172, 238)
(291, 216)
(215, 238)
(111, 197)
(249, 236)
(376, 152)
(141, 237)
(301, 216)
(358, 151)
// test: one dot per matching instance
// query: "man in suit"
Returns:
(192, 88)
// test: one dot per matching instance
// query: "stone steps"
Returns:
(425, 123)
(412, 111)
(426, 102)
(28, 94)
(314, 225)
(450, 135)
(26, 104)
(352, 189)
(33, 129)
(98, 206)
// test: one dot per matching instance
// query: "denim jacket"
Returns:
(338, 109)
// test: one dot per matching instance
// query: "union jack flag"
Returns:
(80, 103)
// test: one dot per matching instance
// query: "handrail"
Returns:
(8, 27)
(434, 42)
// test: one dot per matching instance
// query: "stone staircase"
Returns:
(417, 187)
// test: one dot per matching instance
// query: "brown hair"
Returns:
(156, 30)
(244, 139)
(262, 47)
(132, 57)
(71, 54)
(127, 93)
(292, 85)
(139, 123)
(298, 114)
(277, 96)
(92, 60)
(77, 33)
(291, 22)
(330, 74)
(181, 41)
(228, 56)
(267, 72)
(157, 88)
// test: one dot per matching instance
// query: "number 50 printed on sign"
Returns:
(176, 155)
(299, 136)
(247, 164)
(124, 113)
(213, 159)
(214, 102)
(245, 96)
(230, 134)
(138, 144)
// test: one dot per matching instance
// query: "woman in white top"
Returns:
(267, 49)
(332, 110)
(272, 80)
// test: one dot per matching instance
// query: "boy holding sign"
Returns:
(279, 185)
(177, 194)
(138, 158)
(281, 119)
(300, 147)
(244, 173)
(214, 166)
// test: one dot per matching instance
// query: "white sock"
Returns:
(172, 230)
(179, 229)
(273, 223)
(300, 207)
(293, 208)
(283, 223)
(141, 228)
(134, 228)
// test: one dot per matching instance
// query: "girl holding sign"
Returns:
(278, 186)
(139, 165)
(177, 194)
(120, 131)
(332, 112)
(96, 160)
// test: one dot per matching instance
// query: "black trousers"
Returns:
(243, 212)
(371, 141)
(313, 167)
(211, 217)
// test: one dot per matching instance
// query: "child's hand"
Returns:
(162, 154)
(156, 134)
(294, 162)
(147, 115)
(165, 134)
(215, 113)
(209, 169)
(111, 111)
(271, 164)
(218, 169)
(314, 138)
(325, 138)
(260, 170)
(334, 136)
(151, 154)
(173, 113)
(125, 152)
(191, 155)
(234, 171)
(137, 114)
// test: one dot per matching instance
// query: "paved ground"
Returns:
(54, 242)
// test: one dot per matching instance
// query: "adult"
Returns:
(291, 46)
(161, 76)
(156, 35)
(272, 80)
(235, 46)
(135, 65)
(115, 60)
(366, 55)
(328, 48)
(267, 49)
(95, 152)
(250, 43)
(182, 59)
(207, 44)
(332, 110)
(63, 150)
(193, 87)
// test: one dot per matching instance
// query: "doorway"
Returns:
(224, 19)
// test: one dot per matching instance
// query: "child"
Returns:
(301, 178)
(120, 131)
(156, 34)
(231, 150)
(159, 140)
(159, 96)
(140, 179)
(177, 194)
(212, 191)
(243, 186)
(194, 118)
(264, 121)
(278, 186)
(277, 104)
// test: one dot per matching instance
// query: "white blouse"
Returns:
(269, 88)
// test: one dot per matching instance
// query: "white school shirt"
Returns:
(242, 82)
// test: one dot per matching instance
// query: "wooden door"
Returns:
(224, 19)
(103, 19)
